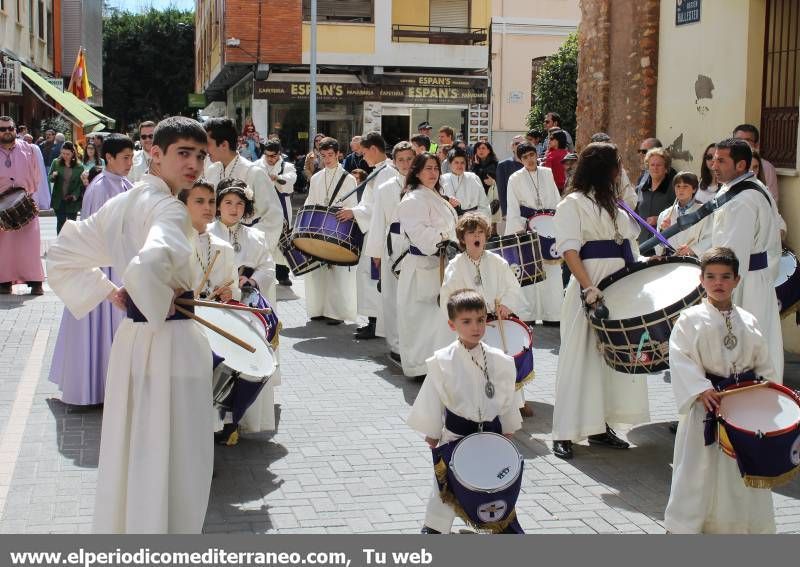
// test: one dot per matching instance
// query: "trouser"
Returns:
(281, 272)
(62, 217)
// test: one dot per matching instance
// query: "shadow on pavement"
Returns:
(77, 431)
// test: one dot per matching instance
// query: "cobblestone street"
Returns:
(342, 459)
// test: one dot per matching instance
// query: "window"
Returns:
(50, 46)
(30, 17)
(340, 10)
(781, 90)
(41, 19)
(536, 67)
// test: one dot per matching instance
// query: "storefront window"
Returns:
(456, 118)
(290, 121)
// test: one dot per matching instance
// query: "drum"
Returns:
(298, 262)
(760, 428)
(787, 286)
(318, 234)
(523, 253)
(542, 223)
(17, 208)
(485, 475)
(241, 375)
(643, 302)
(519, 344)
(272, 326)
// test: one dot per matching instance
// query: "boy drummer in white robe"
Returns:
(156, 452)
(696, 239)
(331, 290)
(467, 378)
(533, 188)
(463, 188)
(708, 494)
(487, 273)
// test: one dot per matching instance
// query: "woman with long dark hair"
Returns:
(428, 222)
(67, 187)
(596, 239)
(485, 167)
(708, 180)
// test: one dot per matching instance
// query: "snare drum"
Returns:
(318, 234)
(241, 375)
(760, 428)
(519, 344)
(543, 223)
(272, 325)
(643, 301)
(484, 475)
(787, 286)
(298, 262)
(523, 254)
(17, 208)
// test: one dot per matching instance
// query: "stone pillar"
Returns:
(618, 74)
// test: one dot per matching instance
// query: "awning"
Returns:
(77, 111)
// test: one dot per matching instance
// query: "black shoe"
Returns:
(5, 288)
(287, 282)
(551, 324)
(319, 318)
(36, 288)
(228, 436)
(367, 331)
(562, 449)
(395, 357)
(608, 439)
(333, 322)
(419, 378)
(673, 427)
(429, 531)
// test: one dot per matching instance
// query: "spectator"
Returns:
(425, 129)
(312, 162)
(536, 138)
(709, 185)
(556, 151)
(447, 137)
(756, 166)
(552, 123)
(505, 169)
(749, 134)
(67, 187)
(570, 161)
(359, 174)
(485, 167)
(59, 142)
(91, 158)
(442, 152)
(421, 144)
(355, 159)
(22, 131)
(646, 145)
(655, 193)
(46, 147)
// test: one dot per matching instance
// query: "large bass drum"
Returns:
(318, 233)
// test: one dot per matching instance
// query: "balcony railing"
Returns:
(10, 78)
(441, 34)
(779, 136)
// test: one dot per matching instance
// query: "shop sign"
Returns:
(341, 92)
(432, 81)
(197, 100)
(687, 12)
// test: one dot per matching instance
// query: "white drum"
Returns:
(544, 225)
(486, 462)
(519, 344)
(762, 409)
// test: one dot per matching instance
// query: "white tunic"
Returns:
(468, 189)
(267, 206)
(225, 269)
(544, 298)
(708, 494)
(140, 165)
(284, 191)
(747, 224)
(498, 282)
(387, 197)
(698, 236)
(252, 253)
(369, 301)
(589, 393)
(331, 290)
(156, 452)
(426, 219)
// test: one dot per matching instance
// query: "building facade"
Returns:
(82, 27)
(382, 65)
(524, 34)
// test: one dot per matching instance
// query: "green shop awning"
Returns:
(78, 111)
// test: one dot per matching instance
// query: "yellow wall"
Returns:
(481, 13)
(341, 38)
(411, 12)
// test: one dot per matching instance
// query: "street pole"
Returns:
(312, 95)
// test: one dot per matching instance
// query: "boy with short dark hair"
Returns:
(713, 345)
(469, 387)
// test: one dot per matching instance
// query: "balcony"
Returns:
(440, 34)
(10, 78)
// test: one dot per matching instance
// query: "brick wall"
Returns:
(280, 28)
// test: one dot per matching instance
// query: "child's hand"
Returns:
(432, 443)
(710, 399)
(503, 312)
(508, 435)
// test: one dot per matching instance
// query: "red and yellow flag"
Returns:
(79, 81)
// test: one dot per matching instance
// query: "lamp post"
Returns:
(312, 95)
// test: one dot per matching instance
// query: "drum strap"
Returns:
(528, 212)
(282, 197)
(685, 221)
(338, 186)
(463, 426)
(720, 383)
(394, 228)
(138, 317)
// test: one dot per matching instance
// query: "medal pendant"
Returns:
(730, 341)
(489, 389)
(237, 247)
(478, 279)
(619, 240)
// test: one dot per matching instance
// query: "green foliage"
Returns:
(556, 88)
(148, 64)
(57, 124)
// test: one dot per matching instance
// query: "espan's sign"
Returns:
(687, 12)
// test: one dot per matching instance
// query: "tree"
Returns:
(556, 88)
(148, 64)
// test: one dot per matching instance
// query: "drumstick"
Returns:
(226, 284)
(743, 388)
(218, 305)
(216, 329)
(208, 273)
(442, 257)
(500, 325)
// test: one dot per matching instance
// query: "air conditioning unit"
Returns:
(10, 76)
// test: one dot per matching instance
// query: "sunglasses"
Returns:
(7, 128)
(146, 136)
(641, 151)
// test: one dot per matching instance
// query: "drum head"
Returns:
(518, 337)
(486, 462)
(256, 364)
(786, 267)
(543, 224)
(328, 251)
(763, 409)
(650, 289)
(11, 197)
